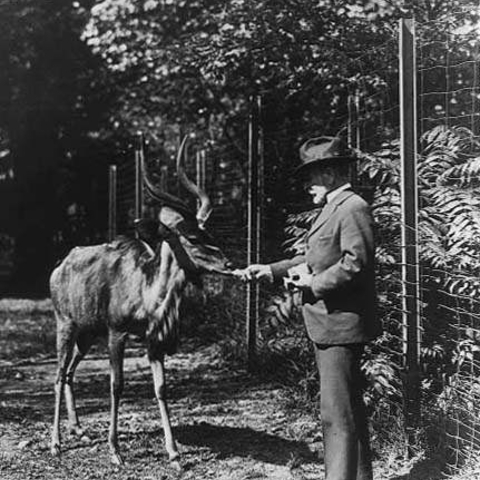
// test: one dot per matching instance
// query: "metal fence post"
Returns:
(253, 253)
(410, 259)
(112, 202)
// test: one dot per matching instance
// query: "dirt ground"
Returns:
(229, 424)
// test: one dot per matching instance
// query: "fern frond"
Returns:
(381, 168)
(385, 257)
(297, 227)
(466, 175)
(303, 218)
(450, 140)
(431, 246)
(463, 286)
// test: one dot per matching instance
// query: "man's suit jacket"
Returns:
(340, 254)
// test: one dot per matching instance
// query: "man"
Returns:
(336, 275)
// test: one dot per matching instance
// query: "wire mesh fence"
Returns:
(367, 109)
(448, 66)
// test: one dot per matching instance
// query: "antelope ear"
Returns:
(147, 230)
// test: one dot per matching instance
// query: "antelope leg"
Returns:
(116, 345)
(81, 348)
(158, 373)
(65, 343)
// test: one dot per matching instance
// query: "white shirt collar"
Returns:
(333, 193)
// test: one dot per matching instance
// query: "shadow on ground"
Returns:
(226, 442)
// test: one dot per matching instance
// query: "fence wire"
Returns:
(448, 67)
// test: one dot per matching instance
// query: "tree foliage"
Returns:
(198, 62)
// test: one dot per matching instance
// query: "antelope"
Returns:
(131, 286)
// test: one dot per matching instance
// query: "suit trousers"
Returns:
(344, 420)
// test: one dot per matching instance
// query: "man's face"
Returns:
(317, 184)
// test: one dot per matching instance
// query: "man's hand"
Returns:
(254, 272)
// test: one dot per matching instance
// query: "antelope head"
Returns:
(186, 224)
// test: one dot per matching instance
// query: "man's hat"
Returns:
(327, 151)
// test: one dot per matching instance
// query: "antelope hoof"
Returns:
(116, 459)
(55, 450)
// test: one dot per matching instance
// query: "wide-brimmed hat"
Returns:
(327, 151)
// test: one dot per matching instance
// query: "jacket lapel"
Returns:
(328, 210)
